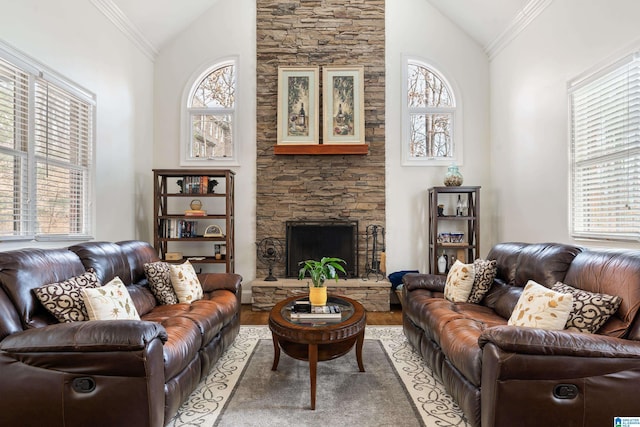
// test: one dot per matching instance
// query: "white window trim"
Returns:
(185, 117)
(37, 69)
(612, 63)
(457, 127)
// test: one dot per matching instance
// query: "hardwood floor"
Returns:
(393, 317)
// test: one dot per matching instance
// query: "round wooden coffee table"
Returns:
(316, 340)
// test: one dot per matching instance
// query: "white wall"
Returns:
(416, 28)
(226, 29)
(76, 40)
(529, 112)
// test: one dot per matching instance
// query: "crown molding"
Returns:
(128, 28)
(519, 23)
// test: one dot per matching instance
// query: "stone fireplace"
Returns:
(307, 187)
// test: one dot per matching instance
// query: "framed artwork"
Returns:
(343, 105)
(298, 105)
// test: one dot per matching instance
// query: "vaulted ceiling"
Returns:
(152, 23)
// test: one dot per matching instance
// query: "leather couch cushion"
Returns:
(611, 272)
(544, 263)
(22, 271)
(184, 338)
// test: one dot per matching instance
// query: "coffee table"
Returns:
(316, 340)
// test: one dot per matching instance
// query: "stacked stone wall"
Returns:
(311, 187)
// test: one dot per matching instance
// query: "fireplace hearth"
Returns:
(315, 239)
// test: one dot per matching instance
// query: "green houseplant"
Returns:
(320, 271)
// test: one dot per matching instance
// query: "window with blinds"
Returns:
(46, 153)
(605, 152)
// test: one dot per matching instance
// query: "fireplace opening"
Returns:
(317, 239)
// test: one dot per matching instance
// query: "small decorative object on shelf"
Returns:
(442, 263)
(270, 251)
(196, 204)
(213, 231)
(453, 177)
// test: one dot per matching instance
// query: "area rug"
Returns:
(397, 388)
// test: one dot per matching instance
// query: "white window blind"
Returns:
(605, 153)
(46, 150)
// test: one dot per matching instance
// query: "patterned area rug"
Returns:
(396, 389)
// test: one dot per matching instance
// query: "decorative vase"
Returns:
(453, 177)
(442, 263)
(318, 295)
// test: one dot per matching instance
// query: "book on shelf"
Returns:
(195, 212)
(178, 228)
(198, 184)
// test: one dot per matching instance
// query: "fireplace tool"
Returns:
(270, 253)
(375, 251)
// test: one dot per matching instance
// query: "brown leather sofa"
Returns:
(112, 372)
(507, 376)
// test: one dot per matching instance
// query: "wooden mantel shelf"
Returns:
(320, 149)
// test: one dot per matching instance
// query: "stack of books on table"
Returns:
(320, 312)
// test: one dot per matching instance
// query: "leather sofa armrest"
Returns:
(217, 281)
(533, 341)
(431, 282)
(91, 336)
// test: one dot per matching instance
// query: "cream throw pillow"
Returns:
(541, 307)
(185, 282)
(110, 302)
(459, 282)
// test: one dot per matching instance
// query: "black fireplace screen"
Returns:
(316, 239)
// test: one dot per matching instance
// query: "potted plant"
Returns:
(319, 271)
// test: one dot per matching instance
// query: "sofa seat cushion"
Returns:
(228, 303)
(184, 338)
(459, 333)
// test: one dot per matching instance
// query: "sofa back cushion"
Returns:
(22, 271)
(611, 272)
(517, 263)
(111, 260)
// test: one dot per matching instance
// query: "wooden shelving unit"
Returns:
(468, 250)
(170, 205)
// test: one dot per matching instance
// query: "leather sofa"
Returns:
(506, 376)
(108, 372)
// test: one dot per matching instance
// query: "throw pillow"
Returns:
(159, 278)
(590, 310)
(459, 282)
(110, 302)
(64, 299)
(541, 307)
(185, 282)
(484, 273)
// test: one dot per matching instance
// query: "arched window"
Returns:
(429, 116)
(210, 116)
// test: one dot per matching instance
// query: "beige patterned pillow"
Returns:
(590, 309)
(185, 282)
(110, 302)
(459, 282)
(484, 273)
(64, 299)
(541, 307)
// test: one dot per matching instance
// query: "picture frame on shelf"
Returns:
(343, 105)
(298, 105)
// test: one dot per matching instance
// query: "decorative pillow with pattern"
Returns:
(541, 307)
(590, 310)
(110, 302)
(159, 278)
(459, 282)
(64, 299)
(484, 273)
(185, 282)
